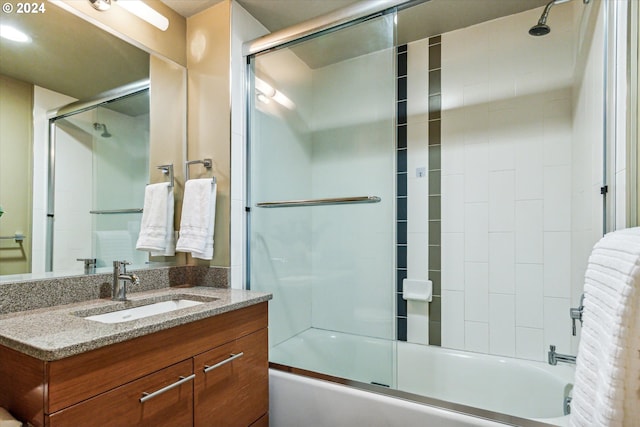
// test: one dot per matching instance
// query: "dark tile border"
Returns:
(401, 190)
(435, 175)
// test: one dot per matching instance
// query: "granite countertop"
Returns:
(57, 332)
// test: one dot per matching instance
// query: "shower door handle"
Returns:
(319, 202)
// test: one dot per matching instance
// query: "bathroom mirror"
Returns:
(64, 59)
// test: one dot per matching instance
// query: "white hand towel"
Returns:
(606, 392)
(198, 218)
(156, 229)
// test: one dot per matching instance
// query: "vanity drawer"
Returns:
(121, 407)
(234, 390)
(81, 377)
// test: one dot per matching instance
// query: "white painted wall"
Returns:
(244, 27)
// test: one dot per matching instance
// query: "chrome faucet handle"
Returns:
(89, 264)
(135, 280)
(121, 265)
(576, 314)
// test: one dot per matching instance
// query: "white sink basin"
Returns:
(143, 311)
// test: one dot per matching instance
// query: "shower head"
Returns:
(541, 28)
(103, 128)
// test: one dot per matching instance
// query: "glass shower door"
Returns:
(101, 170)
(120, 174)
(321, 194)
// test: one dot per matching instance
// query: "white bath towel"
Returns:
(156, 230)
(198, 218)
(606, 392)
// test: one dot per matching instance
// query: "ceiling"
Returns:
(450, 14)
(273, 14)
(80, 63)
(85, 62)
(432, 17)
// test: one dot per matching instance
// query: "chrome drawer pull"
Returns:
(147, 396)
(208, 368)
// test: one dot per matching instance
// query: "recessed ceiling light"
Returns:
(11, 33)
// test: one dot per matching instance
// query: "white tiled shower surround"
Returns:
(514, 237)
(521, 156)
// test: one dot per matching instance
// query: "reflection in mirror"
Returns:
(98, 217)
(68, 59)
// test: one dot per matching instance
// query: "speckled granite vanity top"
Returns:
(57, 332)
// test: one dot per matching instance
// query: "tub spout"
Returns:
(554, 357)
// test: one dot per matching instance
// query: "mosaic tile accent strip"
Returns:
(401, 190)
(435, 174)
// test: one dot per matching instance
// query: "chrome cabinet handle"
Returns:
(147, 396)
(232, 357)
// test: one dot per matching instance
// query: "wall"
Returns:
(587, 147)
(209, 120)
(244, 27)
(168, 130)
(506, 183)
(44, 100)
(16, 104)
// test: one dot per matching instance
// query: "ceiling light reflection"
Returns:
(146, 13)
(10, 33)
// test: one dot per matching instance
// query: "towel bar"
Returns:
(116, 211)
(317, 202)
(18, 237)
(207, 163)
(167, 169)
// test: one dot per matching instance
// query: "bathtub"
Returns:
(447, 387)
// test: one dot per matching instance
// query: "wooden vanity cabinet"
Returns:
(122, 407)
(103, 387)
(231, 385)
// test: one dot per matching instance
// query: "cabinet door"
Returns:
(234, 390)
(172, 406)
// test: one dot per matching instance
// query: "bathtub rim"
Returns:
(412, 397)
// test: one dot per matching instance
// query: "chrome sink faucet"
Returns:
(120, 279)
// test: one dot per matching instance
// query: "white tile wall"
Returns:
(476, 291)
(529, 295)
(502, 271)
(502, 323)
(453, 325)
(476, 336)
(516, 185)
(452, 253)
(529, 227)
